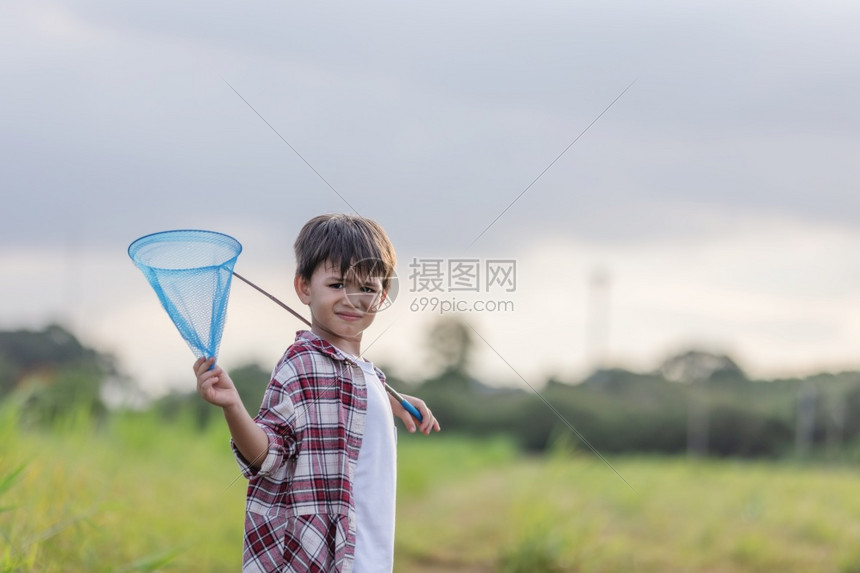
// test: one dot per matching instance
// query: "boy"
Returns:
(320, 455)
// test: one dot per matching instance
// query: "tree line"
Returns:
(696, 403)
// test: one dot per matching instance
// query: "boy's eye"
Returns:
(336, 285)
(368, 289)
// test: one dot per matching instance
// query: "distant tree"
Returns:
(696, 368)
(24, 352)
(451, 343)
(8, 375)
(251, 381)
(54, 371)
(699, 366)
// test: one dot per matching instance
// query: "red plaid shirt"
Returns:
(300, 513)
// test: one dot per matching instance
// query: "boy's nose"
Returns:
(360, 300)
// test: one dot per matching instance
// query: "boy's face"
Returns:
(342, 306)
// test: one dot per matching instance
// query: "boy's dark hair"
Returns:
(351, 242)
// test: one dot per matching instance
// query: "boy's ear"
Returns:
(303, 289)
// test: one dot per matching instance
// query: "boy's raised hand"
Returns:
(428, 423)
(215, 385)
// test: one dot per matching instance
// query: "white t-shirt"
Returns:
(375, 481)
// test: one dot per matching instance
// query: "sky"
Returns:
(663, 175)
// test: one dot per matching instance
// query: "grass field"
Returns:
(139, 494)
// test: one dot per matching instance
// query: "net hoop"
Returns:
(141, 249)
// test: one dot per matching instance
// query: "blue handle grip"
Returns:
(409, 407)
(412, 410)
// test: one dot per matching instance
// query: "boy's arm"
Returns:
(216, 387)
(250, 439)
(428, 423)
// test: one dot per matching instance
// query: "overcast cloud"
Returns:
(739, 133)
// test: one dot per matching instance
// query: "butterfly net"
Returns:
(190, 271)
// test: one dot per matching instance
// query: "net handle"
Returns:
(272, 298)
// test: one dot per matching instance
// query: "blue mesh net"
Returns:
(191, 271)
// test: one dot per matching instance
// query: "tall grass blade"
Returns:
(7, 480)
(6, 484)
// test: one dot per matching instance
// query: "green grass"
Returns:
(575, 514)
(139, 494)
(135, 495)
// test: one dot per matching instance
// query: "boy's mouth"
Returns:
(349, 316)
